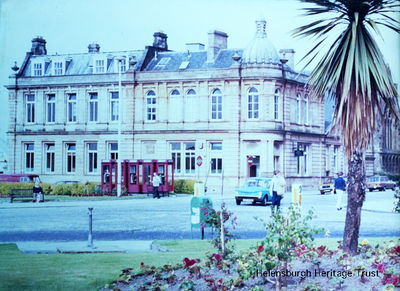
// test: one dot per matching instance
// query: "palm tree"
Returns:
(353, 72)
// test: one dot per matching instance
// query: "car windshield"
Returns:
(328, 181)
(256, 183)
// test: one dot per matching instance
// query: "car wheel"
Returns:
(370, 190)
(322, 192)
(238, 201)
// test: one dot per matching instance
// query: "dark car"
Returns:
(256, 189)
(66, 182)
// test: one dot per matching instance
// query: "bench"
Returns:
(21, 193)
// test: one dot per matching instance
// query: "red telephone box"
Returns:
(133, 182)
(137, 175)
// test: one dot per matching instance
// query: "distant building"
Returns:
(246, 112)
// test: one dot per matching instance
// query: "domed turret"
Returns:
(260, 49)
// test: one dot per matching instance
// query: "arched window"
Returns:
(253, 106)
(191, 106)
(175, 106)
(306, 110)
(276, 103)
(216, 105)
(298, 108)
(151, 106)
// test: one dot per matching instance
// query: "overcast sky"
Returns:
(69, 26)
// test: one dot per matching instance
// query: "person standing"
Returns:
(340, 187)
(37, 193)
(156, 184)
(277, 188)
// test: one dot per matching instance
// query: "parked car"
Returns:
(19, 178)
(380, 183)
(256, 189)
(67, 182)
(327, 186)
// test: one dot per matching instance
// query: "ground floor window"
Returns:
(70, 153)
(216, 157)
(113, 150)
(50, 157)
(184, 156)
(92, 157)
(29, 157)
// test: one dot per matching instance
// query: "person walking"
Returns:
(340, 187)
(37, 193)
(277, 188)
(156, 184)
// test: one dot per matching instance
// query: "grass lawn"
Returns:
(20, 271)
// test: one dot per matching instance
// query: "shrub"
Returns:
(77, 189)
(287, 235)
(93, 188)
(47, 188)
(184, 186)
(62, 189)
(6, 187)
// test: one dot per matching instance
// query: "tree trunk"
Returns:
(355, 199)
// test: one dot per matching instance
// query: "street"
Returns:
(169, 218)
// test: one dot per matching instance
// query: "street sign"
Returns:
(250, 160)
(199, 161)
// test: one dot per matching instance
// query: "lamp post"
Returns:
(119, 160)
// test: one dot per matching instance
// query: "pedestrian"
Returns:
(37, 193)
(156, 184)
(340, 187)
(278, 189)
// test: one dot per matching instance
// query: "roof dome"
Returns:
(260, 49)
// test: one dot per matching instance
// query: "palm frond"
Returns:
(353, 70)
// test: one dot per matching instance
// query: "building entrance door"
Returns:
(253, 167)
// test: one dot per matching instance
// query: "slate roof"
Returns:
(81, 64)
(174, 61)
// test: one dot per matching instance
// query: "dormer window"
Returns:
(123, 65)
(58, 68)
(99, 66)
(38, 69)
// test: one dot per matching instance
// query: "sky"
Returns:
(69, 26)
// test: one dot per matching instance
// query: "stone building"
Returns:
(246, 112)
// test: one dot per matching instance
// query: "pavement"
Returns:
(119, 246)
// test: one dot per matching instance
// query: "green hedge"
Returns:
(184, 186)
(6, 187)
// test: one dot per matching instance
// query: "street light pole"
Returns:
(119, 161)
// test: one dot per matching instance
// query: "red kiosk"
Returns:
(137, 175)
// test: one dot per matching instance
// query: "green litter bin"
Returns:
(200, 207)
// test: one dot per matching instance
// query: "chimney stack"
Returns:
(217, 40)
(93, 48)
(288, 54)
(160, 41)
(39, 46)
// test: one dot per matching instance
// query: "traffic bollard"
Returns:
(90, 237)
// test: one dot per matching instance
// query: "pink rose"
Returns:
(381, 268)
(218, 257)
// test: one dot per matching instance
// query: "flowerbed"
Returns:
(375, 268)
(286, 259)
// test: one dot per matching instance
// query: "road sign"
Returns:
(250, 160)
(199, 161)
